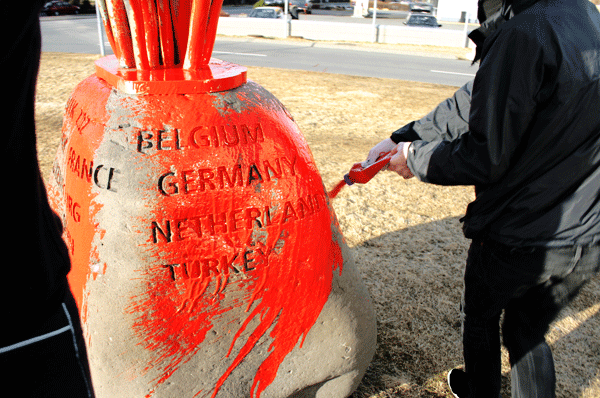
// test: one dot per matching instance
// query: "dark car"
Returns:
(304, 6)
(422, 20)
(332, 4)
(59, 8)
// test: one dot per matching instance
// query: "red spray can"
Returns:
(361, 174)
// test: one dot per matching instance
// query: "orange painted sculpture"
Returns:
(207, 261)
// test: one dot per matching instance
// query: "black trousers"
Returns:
(51, 361)
(531, 285)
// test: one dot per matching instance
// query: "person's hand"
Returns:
(378, 151)
(398, 160)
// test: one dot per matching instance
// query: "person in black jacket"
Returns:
(532, 150)
(42, 353)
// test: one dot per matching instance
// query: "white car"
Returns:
(421, 19)
(266, 12)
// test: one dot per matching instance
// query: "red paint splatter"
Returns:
(287, 291)
(338, 187)
(285, 224)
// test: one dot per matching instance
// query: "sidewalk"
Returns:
(346, 31)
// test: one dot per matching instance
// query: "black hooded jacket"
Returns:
(532, 148)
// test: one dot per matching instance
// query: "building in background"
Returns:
(457, 10)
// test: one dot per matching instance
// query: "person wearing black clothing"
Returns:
(531, 148)
(42, 353)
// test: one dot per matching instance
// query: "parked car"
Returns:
(422, 20)
(294, 6)
(266, 12)
(421, 7)
(59, 8)
(332, 4)
(304, 6)
(269, 3)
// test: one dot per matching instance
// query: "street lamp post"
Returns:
(375, 21)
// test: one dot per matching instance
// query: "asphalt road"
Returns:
(323, 57)
(80, 35)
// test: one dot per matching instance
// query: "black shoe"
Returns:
(458, 383)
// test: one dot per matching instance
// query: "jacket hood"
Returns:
(492, 14)
(487, 8)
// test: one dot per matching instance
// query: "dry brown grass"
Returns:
(405, 235)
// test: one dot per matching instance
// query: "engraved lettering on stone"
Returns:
(73, 209)
(75, 112)
(243, 261)
(106, 177)
(195, 227)
(210, 179)
(150, 141)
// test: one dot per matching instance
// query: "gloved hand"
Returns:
(378, 150)
(398, 160)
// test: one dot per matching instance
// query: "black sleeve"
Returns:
(447, 121)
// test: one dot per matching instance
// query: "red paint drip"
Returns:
(296, 317)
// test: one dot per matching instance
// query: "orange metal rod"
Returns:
(150, 25)
(181, 11)
(117, 24)
(165, 29)
(136, 26)
(198, 22)
(211, 30)
(107, 27)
